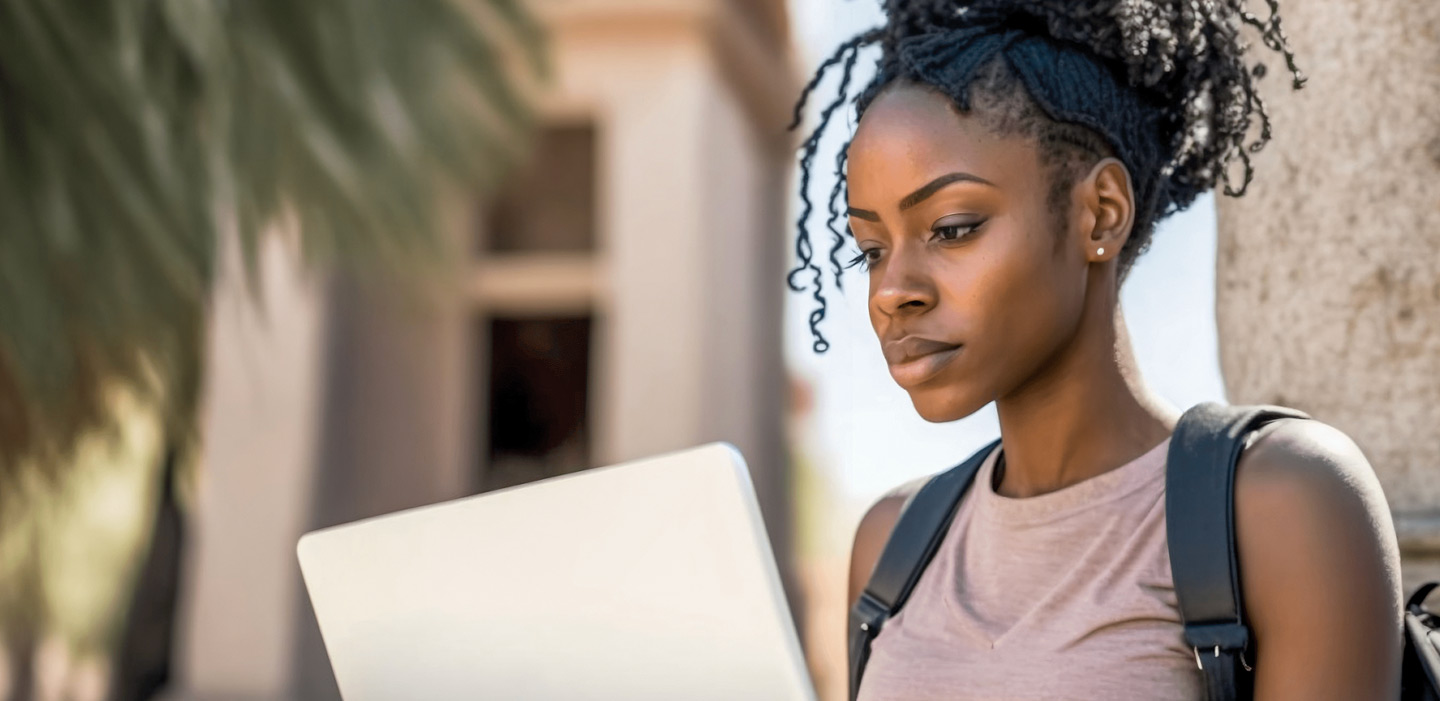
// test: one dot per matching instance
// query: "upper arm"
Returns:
(874, 532)
(870, 539)
(1320, 568)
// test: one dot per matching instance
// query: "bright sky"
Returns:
(865, 435)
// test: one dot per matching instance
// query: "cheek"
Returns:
(1030, 306)
(1020, 304)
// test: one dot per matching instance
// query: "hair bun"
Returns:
(1187, 55)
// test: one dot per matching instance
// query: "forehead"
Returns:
(911, 134)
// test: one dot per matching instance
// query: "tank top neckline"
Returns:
(1071, 598)
(1086, 494)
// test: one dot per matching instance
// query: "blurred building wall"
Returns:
(1328, 273)
(262, 425)
(349, 402)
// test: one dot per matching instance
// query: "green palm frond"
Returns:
(136, 134)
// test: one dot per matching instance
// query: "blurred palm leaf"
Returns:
(136, 134)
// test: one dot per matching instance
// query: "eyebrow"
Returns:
(923, 193)
(934, 186)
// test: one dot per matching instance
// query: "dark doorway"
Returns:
(539, 392)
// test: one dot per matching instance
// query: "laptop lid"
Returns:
(652, 579)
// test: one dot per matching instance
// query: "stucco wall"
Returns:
(1329, 268)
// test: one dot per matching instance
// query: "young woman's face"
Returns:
(974, 287)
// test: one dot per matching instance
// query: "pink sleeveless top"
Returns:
(1066, 595)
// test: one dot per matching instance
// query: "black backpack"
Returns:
(1200, 528)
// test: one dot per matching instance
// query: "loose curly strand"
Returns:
(847, 55)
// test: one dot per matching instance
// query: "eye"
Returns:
(865, 260)
(956, 232)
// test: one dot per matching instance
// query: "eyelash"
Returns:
(863, 261)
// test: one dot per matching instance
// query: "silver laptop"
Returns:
(651, 579)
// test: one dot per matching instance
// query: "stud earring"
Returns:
(1100, 252)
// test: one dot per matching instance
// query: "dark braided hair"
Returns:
(1163, 85)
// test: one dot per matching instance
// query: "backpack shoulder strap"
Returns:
(1200, 528)
(912, 544)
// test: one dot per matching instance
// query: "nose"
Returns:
(904, 287)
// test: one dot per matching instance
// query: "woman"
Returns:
(1009, 166)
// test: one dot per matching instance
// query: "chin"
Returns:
(943, 404)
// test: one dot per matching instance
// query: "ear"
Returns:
(1108, 204)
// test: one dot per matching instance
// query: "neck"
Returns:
(1088, 412)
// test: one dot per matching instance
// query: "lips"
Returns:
(912, 347)
(913, 359)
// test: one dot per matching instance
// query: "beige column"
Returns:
(262, 434)
(1329, 269)
(653, 251)
(689, 102)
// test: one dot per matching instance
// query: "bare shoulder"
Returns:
(874, 532)
(1304, 482)
(1306, 455)
(1319, 564)
(1306, 471)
